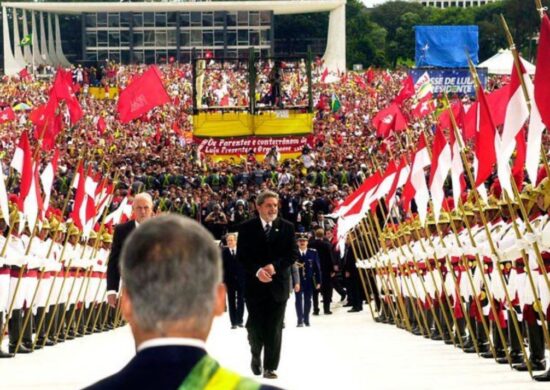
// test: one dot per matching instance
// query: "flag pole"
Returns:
(372, 245)
(424, 323)
(437, 320)
(390, 304)
(356, 254)
(517, 67)
(489, 238)
(398, 295)
(87, 321)
(543, 152)
(54, 237)
(5, 247)
(88, 277)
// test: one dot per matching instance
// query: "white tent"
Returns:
(502, 62)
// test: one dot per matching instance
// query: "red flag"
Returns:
(177, 129)
(142, 95)
(406, 92)
(518, 171)
(7, 115)
(24, 73)
(457, 169)
(416, 186)
(47, 123)
(497, 102)
(398, 180)
(485, 140)
(22, 162)
(389, 119)
(441, 164)
(101, 125)
(324, 75)
(542, 78)
(79, 198)
(370, 75)
(360, 82)
(33, 204)
(158, 134)
(424, 107)
(63, 89)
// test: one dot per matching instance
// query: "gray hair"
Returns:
(170, 268)
(145, 196)
(232, 234)
(265, 195)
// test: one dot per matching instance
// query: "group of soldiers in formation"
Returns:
(52, 284)
(476, 278)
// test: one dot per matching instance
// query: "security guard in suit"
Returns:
(310, 277)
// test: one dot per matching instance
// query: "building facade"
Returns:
(156, 37)
(156, 32)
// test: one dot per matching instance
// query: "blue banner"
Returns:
(451, 81)
(446, 46)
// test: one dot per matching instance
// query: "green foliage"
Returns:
(384, 35)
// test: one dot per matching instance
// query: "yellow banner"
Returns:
(283, 122)
(100, 93)
(229, 124)
(278, 123)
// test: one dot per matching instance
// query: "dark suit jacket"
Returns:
(159, 368)
(326, 257)
(255, 250)
(233, 271)
(122, 231)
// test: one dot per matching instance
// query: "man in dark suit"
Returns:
(172, 283)
(352, 279)
(267, 249)
(233, 277)
(142, 209)
(326, 258)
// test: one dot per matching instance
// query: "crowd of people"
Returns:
(155, 154)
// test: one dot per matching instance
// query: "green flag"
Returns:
(335, 103)
(26, 41)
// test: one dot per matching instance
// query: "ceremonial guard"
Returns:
(310, 277)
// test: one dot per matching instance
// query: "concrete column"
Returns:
(51, 43)
(58, 48)
(18, 53)
(335, 52)
(36, 55)
(43, 43)
(11, 67)
(27, 53)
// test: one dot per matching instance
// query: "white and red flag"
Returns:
(441, 164)
(416, 187)
(517, 113)
(540, 110)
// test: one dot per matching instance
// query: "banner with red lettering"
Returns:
(229, 147)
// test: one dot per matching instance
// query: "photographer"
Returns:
(216, 222)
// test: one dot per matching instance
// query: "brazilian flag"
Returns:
(335, 103)
(26, 41)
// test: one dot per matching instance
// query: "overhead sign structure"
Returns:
(451, 81)
(446, 46)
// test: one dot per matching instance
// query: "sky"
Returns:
(370, 3)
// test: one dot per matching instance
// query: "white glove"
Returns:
(531, 238)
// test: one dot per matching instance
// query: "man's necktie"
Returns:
(267, 230)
